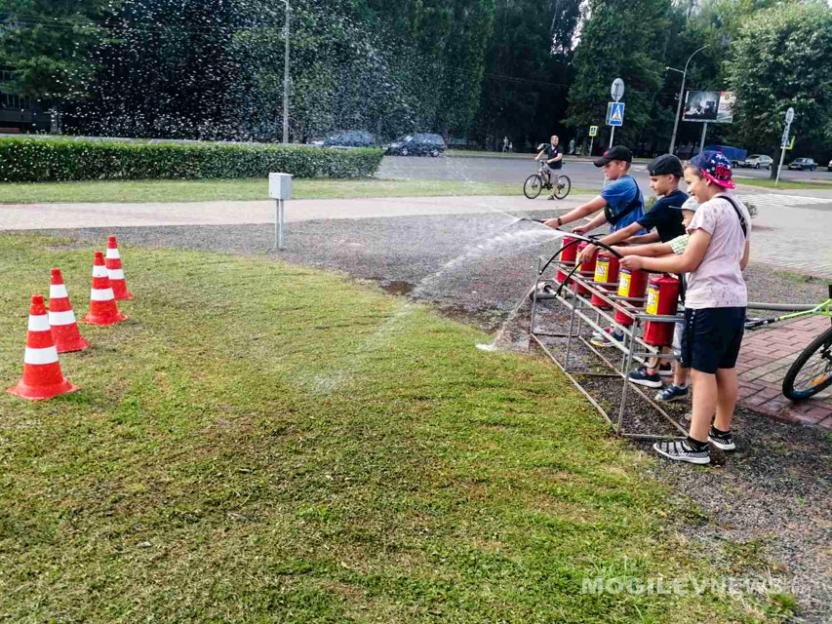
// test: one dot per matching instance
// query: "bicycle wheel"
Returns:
(563, 187)
(532, 186)
(812, 370)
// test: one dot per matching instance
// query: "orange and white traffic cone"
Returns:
(62, 319)
(103, 308)
(42, 376)
(115, 272)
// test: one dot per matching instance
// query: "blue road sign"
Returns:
(615, 114)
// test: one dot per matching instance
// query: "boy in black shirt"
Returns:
(665, 173)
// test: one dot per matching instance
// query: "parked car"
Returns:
(350, 138)
(757, 161)
(803, 163)
(418, 144)
(829, 166)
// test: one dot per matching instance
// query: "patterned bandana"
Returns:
(715, 167)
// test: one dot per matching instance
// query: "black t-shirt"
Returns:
(664, 217)
(552, 151)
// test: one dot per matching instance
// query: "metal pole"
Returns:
(286, 79)
(591, 141)
(780, 166)
(612, 135)
(678, 111)
(681, 95)
(280, 225)
(702, 142)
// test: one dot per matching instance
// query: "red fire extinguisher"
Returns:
(662, 298)
(567, 257)
(606, 272)
(631, 284)
(585, 269)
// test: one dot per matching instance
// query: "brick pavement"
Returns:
(764, 359)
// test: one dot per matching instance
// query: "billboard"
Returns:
(701, 106)
(709, 106)
(725, 110)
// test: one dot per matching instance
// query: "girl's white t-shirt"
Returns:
(718, 281)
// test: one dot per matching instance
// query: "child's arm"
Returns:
(745, 256)
(652, 250)
(650, 237)
(596, 222)
(687, 262)
(610, 239)
(593, 205)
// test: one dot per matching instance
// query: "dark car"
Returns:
(418, 145)
(803, 163)
(350, 138)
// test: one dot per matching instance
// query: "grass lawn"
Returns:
(784, 184)
(254, 188)
(265, 443)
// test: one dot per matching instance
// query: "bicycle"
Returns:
(536, 182)
(811, 372)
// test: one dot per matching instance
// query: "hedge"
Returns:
(59, 160)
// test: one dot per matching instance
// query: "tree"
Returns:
(781, 59)
(48, 46)
(527, 71)
(626, 40)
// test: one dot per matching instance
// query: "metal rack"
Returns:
(584, 315)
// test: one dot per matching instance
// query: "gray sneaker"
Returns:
(678, 450)
(671, 393)
(723, 441)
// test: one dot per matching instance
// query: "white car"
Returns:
(829, 166)
(758, 161)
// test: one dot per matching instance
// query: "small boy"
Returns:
(679, 388)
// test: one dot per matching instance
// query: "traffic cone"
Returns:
(42, 376)
(103, 308)
(115, 272)
(62, 319)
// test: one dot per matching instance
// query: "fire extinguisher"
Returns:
(606, 272)
(662, 299)
(568, 255)
(631, 284)
(584, 268)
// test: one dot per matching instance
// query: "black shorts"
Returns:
(712, 338)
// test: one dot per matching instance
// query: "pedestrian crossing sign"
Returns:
(593, 131)
(615, 114)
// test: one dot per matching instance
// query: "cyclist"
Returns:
(554, 160)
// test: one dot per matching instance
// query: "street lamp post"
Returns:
(681, 94)
(286, 78)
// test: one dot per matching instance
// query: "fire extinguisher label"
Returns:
(624, 284)
(652, 306)
(602, 270)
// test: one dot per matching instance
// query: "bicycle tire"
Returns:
(818, 381)
(532, 186)
(563, 187)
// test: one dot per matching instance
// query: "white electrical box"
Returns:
(280, 185)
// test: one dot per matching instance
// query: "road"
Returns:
(515, 170)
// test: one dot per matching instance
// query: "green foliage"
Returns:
(49, 45)
(527, 72)
(33, 160)
(619, 40)
(781, 59)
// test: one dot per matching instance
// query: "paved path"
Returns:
(765, 357)
(63, 216)
(790, 231)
